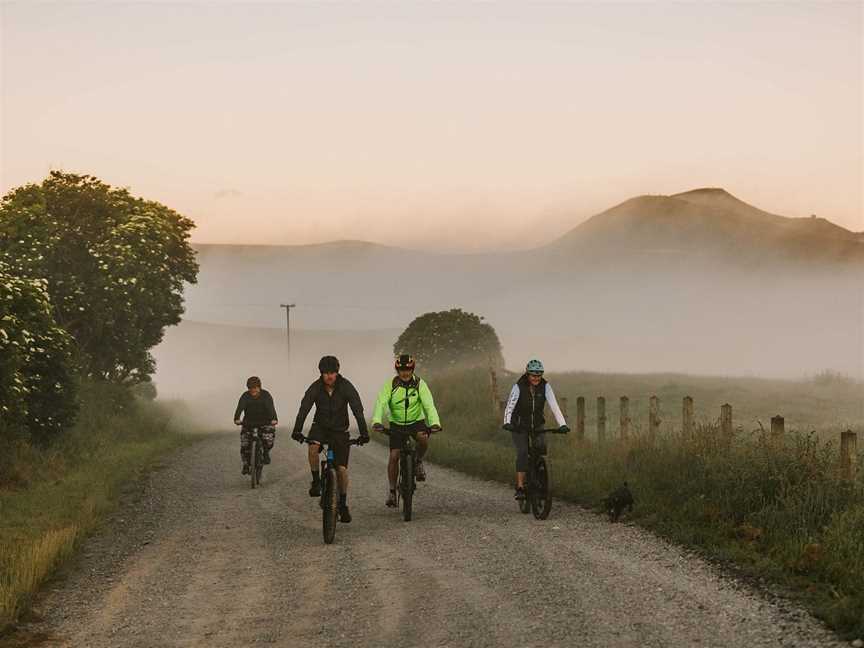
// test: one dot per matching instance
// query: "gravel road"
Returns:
(196, 558)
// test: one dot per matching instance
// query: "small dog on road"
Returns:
(618, 500)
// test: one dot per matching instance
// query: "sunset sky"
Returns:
(444, 126)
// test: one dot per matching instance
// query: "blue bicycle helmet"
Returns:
(534, 367)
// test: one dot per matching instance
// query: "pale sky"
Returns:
(450, 126)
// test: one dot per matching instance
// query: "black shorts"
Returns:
(398, 432)
(335, 439)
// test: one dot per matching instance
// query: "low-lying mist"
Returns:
(695, 322)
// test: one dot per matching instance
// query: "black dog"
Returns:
(618, 500)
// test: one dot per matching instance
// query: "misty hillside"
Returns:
(705, 223)
(697, 282)
(710, 224)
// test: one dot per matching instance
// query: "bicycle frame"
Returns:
(407, 458)
(256, 452)
(538, 496)
(328, 489)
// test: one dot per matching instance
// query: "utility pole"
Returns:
(288, 308)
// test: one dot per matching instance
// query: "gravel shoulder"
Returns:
(196, 558)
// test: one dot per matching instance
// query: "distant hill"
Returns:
(708, 224)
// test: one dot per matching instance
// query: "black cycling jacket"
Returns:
(331, 410)
(256, 411)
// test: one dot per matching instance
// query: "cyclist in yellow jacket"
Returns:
(412, 411)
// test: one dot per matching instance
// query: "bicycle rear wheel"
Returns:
(330, 504)
(541, 500)
(406, 479)
(253, 463)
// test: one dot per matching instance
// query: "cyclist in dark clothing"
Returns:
(256, 406)
(332, 394)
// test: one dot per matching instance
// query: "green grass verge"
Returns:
(774, 511)
(50, 499)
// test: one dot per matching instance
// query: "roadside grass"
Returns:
(51, 499)
(773, 511)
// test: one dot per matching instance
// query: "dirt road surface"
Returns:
(197, 558)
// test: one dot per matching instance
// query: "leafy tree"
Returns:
(449, 339)
(38, 388)
(115, 266)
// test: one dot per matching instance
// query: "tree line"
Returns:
(90, 276)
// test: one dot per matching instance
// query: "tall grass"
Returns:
(49, 500)
(778, 510)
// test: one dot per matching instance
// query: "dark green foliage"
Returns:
(449, 339)
(37, 379)
(115, 266)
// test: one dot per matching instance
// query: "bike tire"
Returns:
(253, 464)
(407, 483)
(331, 505)
(541, 501)
(259, 462)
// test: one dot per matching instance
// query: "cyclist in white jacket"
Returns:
(524, 412)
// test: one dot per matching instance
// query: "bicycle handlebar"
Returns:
(356, 441)
(386, 431)
(552, 431)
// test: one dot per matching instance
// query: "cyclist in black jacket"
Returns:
(332, 394)
(256, 406)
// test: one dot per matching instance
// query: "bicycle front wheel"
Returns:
(330, 505)
(406, 477)
(254, 470)
(541, 499)
(259, 462)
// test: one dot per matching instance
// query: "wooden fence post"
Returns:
(624, 417)
(778, 428)
(848, 455)
(687, 417)
(653, 418)
(601, 419)
(726, 420)
(580, 418)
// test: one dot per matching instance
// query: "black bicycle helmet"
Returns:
(328, 364)
(404, 361)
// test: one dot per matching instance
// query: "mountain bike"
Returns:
(256, 453)
(537, 483)
(329, 501)
(406, 481)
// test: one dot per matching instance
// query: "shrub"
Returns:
(449, 339)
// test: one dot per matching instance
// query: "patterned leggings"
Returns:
(268, 436)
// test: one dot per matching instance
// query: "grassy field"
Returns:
(50, 500)
(775, 511)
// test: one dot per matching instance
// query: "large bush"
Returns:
(37, 382)
(449, 339)
(114, 264)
